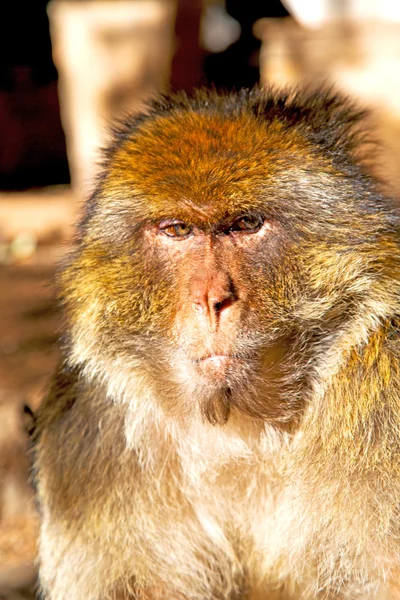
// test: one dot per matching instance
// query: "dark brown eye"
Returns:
(249, 224)
(176, 230)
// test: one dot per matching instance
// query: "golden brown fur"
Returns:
(225, 422)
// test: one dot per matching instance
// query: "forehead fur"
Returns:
(198, 159)
(208, 152)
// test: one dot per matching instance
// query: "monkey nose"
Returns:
(213, 303)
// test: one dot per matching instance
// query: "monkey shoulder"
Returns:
(78, 438)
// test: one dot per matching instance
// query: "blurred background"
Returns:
(68, 68)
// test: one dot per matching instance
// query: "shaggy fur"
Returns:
(162, 474)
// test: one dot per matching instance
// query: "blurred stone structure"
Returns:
(111, 55)
(361, 58)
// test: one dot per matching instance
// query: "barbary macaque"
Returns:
(225, 422)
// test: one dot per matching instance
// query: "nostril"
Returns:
(200, 305)
(223, 304)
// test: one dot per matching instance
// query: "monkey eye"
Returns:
(248, 223)
(176, 230)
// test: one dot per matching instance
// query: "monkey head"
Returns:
(229, 239)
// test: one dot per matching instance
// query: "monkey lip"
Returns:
(220, 362)
(217, 358)
(216, 367)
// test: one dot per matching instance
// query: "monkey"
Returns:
(224, 423)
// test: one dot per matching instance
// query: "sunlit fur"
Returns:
(251, 452)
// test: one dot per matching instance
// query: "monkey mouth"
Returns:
(216, 359)
(226, 356)
(220, 360)
(218, 363)
(218, 367)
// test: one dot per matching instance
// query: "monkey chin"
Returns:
(253, 382)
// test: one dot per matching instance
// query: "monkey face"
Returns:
(219, 343)
(216, 251)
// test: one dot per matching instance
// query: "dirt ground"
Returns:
(34, 232)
